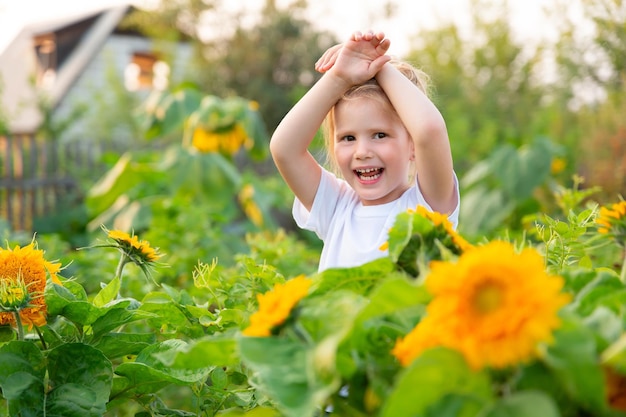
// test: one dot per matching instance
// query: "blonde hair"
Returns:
(371, 90)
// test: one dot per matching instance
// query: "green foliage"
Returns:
(499, 191)
(271, 62)
(148, 349)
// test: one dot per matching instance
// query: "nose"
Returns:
(362, 149)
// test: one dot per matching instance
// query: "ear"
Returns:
(412, 151)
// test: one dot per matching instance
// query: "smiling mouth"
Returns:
(369, 174)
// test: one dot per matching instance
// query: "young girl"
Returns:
(385, 137)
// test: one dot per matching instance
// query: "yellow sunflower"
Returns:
(494, 305)
(138, 251)
(612, 220)
(227, 141)
(276, 305)
(23, 274)
(439, 219)
(205, 141)
(249, 206)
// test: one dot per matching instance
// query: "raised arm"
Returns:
(425, 124)
(359, 60)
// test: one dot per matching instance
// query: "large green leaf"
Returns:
(148, 374)
(360, 279)
(22, 373)
(114, 318)
(605, 290)
(573, 359)
(116, 345)
(82, 372)
(166, 112)
(202, 353)
(432, 380)
(281, 369)
(392, 295)
(524, 404)
(116, 182)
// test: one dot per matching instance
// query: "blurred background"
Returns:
(155, 116)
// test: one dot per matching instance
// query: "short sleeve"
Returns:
(324, 205)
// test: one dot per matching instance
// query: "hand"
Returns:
(358, 59)
(328, 58)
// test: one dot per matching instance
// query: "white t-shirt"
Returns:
(353, 233)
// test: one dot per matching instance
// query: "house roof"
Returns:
(18, 59)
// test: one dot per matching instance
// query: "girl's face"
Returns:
(373, 150)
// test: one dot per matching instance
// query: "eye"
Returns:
(347, 138)
(380, 135)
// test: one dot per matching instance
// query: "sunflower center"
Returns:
(487, 298)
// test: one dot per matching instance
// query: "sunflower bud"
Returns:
(14, 295)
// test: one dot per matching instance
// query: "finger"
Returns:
(328, 58)
(383, 46)
(379, 62)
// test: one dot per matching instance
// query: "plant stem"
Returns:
(44, 345)
(120, 268)
(623, 274)
(20, 327)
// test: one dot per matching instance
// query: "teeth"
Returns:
(365, 171)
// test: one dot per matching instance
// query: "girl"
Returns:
(384, 136)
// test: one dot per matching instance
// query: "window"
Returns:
(146, 71)
(46, 51)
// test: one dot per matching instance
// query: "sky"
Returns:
(339, 16)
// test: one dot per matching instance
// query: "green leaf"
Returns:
(202, 353)
(170, 110)
(524, 404)
(6, 334)
(116, 182)
(116, 345)
(256, 412)
(22, 372)
(360, 279)
(392, 295)
(115, 317)
(79, 369)
(108, 293)
(81, 312)
(605, 289)
(74, 400)
(57, 296)
(430, 381)
(281, 368)
(574, 361)
(142, 379)
(165, 311)
(148, 372)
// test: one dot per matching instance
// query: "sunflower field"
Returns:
(145, 320)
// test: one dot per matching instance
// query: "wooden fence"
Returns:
(40, 176)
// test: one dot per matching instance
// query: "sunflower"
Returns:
(227, 140)
(419, 236)
(441, 221)
(249, 206)
(138, 251)
(612, 220)
(205, 141)
(23, 275)
(276, 305)
(494, 305)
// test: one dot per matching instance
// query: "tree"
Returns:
(271, 62)
(487, 87)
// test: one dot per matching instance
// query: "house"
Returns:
(65, 58)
